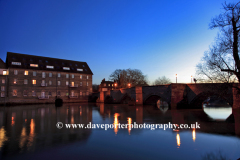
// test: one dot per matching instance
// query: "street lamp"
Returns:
(176, 78)
(191, 79)
(115, 85)
(129, 85)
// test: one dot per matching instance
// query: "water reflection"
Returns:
(218, 113)
(162, 105)
(178, 140)
(13, 118)
(193, 135)
(3, 137)
(32, 128)
(23, 137)
(129, 125)
(115, 123)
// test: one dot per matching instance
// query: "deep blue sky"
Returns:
(159, 37)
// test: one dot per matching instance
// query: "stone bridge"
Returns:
(176, 95)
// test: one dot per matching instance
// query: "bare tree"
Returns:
(221, 63)
(162, 80)
(125, 76)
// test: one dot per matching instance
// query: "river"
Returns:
(32, 132)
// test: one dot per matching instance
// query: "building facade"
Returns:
(107, 85)
(35, 79)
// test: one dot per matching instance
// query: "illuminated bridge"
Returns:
(176, 95)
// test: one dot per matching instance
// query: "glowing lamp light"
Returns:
(176, 78)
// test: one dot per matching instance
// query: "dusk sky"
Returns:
(159, 37)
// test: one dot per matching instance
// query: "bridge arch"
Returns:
(153, 98)
(125, 99)
(199, 99)
(108, 99)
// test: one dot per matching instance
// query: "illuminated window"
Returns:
(59, 75)
(80, 83)
(34, 81)
(34, 73)
(87, 83)
(33, 65)
(3, 81)
(80, 93)
(14, 92)
(72, 75)
(51, 67)
(4, 72)
(16, 63)
(26, 73)
(15, 81)
(43, 74)
(15, 72)
(73, 84)
(59, 83)
(104, 84)
(66, 68)
(67, 75)
(80, 76)
(87, 77)
(50, 74)
(2, 88)
(109, 85)
(67, 83)
(25, 81)
(33, 93)
(79, 69)
(50, 82)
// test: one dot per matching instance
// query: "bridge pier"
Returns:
(101, 99)
(139, 95)
(236, 97)
(177, 94)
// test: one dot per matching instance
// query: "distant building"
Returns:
(107, 85)
(36, 79)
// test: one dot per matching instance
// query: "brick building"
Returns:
(35, 79)
(107, 85)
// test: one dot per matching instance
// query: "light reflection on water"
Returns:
(32, 129)
(218, 113)
(193, 135)
(178, 140)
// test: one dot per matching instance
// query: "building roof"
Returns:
(2, 64)
(17, 60)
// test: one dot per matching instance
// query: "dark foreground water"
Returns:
(30, 132)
